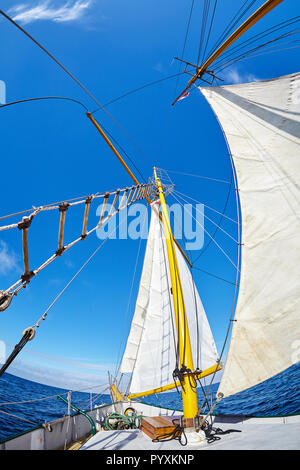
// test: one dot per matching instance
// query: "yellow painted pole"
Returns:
(109, 143)
(89, 115)
(189, 395)
(165, 388)
(257, 15)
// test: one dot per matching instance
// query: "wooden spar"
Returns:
(85, 217)
(114, 203)
(189, 394)
(141, 191)
(257, 15)
(62, 209)
(173, 385)
(106, 196)
(25, 250)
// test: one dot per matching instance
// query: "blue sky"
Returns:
(51, 152)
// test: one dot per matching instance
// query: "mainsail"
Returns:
(150, 352)
(261, 122)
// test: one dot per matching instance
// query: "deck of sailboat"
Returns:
(278, 433)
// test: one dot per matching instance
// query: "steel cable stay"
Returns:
(41, 98)
(127, 196)
(222, 214)
(252, 51)
(217, 225)
(196, 176)
(206, 7)
(207, 206)
(210, 28)
(67, 72)
(208, 218)
(253, 55)
(232, 50)
(216, 243)
(233, 22)
(226, 59)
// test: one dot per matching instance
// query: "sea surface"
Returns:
(278, 396)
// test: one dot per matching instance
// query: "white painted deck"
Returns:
(257, 434)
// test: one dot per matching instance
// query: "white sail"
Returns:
(150, 353)
(261, 122)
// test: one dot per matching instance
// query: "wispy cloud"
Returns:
(8, 259)
(72, 380)
(233, 75)
(48, 10)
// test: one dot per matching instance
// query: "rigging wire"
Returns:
(278, 49)
(208, 207)
(184, 44)
(208, 218)
(114, 100)
(44, 98)
(216, 243)
(43, 317)
(196, 176)
(258, 36)
(210, 28)
(69, 74)
(241, 12)
(231, 61)
(206, 7)
(251, 56)
(214, 275)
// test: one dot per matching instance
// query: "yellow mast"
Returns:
(189, 394)
(257, 15)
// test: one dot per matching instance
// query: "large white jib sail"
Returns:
(150, 352)
(261, 122)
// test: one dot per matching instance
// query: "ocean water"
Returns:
(278, 396)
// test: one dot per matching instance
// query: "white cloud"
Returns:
(233, 75)
(46, 10)
(8, 259)
(73, 380)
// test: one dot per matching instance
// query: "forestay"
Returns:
(150, 352)
(262, 126)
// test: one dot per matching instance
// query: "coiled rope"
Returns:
(115, 421)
